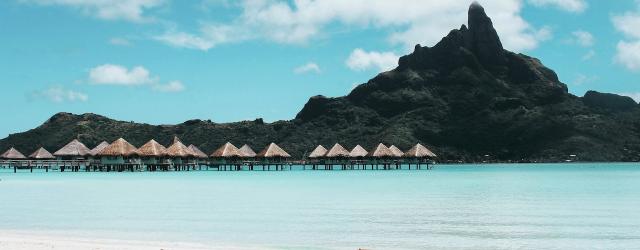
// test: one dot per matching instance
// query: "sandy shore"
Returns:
(20, 240)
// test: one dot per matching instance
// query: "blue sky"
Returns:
(167, 61)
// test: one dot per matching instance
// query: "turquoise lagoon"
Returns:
(524, 206)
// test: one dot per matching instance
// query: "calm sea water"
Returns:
(555, 206)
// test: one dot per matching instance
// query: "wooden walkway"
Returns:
(137, 166)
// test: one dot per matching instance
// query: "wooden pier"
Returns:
(121, 156)
(165, 166)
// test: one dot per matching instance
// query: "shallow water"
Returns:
(526, 206)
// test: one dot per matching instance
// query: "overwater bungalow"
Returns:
(94, 160)
(74, 150)
(152, 156)
(357, 155)
(13, 159)
(72, 155)
(41, 154)
(227, 150)
(41, 158)
(247, 155)
(225, 155)
(198, 153)
(380, 155)
(337, 151)
(337, 155)
(316, 157)
(98, 148)
(419, 154)
(273, 155)
(120, 155)
(180, 155)
(358, 152)
(318, 152)
(396, 151)
(12, 154)
(201, 157)
(419, 151)
(246, 152)
(380, 151)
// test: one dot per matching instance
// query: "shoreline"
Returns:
(41, 240)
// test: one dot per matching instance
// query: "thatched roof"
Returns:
(273, 150)
(226, 150)
(337, 151)
(41, 153)
(119, 147)
(246, 151)
(396, 151)
(152, 149)
(73, 148)
(358, 151)
(381, 151)
(12, 154)
(198, 153)
(99, 148)
(419, 151)
(320, 151)
(177, 149)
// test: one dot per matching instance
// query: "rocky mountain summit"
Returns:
(467, 97)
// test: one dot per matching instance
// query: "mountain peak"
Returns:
(482, 38)
(476, 7)
(475, 45)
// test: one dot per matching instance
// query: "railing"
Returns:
(42, 163)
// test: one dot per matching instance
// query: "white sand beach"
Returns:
(22, 240)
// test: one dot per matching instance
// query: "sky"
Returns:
(168, 61)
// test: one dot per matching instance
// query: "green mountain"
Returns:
(467, 98)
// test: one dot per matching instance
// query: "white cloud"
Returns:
(543, 34)
(413, 21)
(174, 86)
(567, 5)
(583, 38)
(590, 54)
(628, 24)
(634, 95)
(310, 67)
(582, 79)
(628, 50)
(210, 36)
(58, 94)
(181, 39)
(628, 55)
(111, 74)
(360, 60)
(130, 10)
(119, 41)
